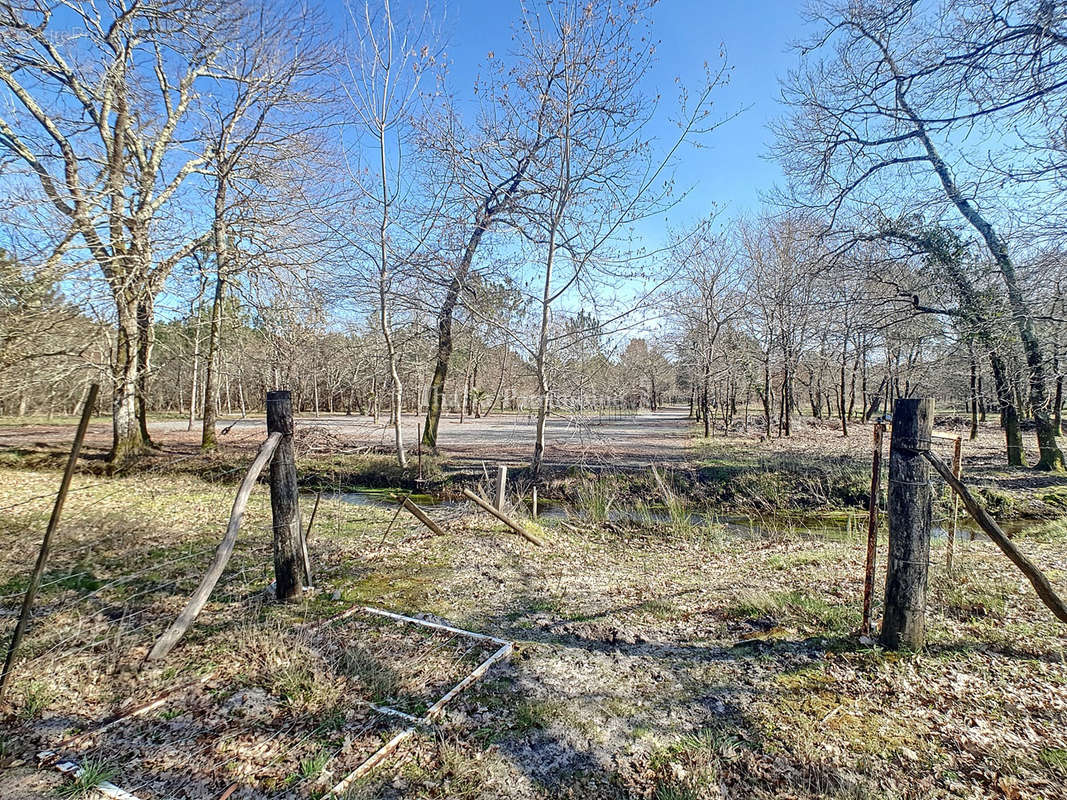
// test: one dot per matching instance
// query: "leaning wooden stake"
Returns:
(199, 598)
(417, 512)
(46, 542)
(1000, 539)
(500, 515)
(910, 516)
(872, 526)
(311, 522)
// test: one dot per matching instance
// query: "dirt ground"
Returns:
(629, 441)
(672, 661)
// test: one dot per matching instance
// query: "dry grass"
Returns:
(651, 663)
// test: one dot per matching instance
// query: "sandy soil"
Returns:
(627, 442)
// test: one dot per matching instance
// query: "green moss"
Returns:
(1056, 758)
(1001, 505)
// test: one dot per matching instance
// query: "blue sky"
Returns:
(757, 35)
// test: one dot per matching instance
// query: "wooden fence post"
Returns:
(957, 466)
(46, 542)
(501, 485)
(872, 526)
(910, 513)
(418, 445)
(289, 566)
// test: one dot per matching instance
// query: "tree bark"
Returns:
(126, 432)
(146, 340)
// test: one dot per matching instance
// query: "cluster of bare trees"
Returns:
(179, 160)
(207, 199)
(935, 129)
(918, 245)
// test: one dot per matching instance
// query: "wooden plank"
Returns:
(199, 598)
(434, 710)
(367, 766)
(500, 515)
(427, 624)
(417, 512)
(501, 486)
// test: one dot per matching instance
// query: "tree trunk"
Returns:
(767, 395)
(193, 395)
(146, 340)
(1050, 456)
(844, 419)
(500, 381)
(1009, 416)
(126, 433)
(209, 435)
(541, 359)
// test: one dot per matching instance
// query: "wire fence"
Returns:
(285, 708)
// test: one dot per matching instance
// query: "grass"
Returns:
(971, 596)
(92, 773)
(36, 697)
(595, 497)
(312, 766)
(1055, 757)
(380, 681)
(733, 475)
(793, 606)
(584, 708)
(689, 768)
(284, 664)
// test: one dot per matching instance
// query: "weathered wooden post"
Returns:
(284, 500)
(46, 542)
(418, 440)
(957, 466)
(501, 486)
(910, 512)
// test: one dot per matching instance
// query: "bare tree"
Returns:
(599, 173)
(258, 126)
(99, 105)
(885, 106)
(390, 58)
